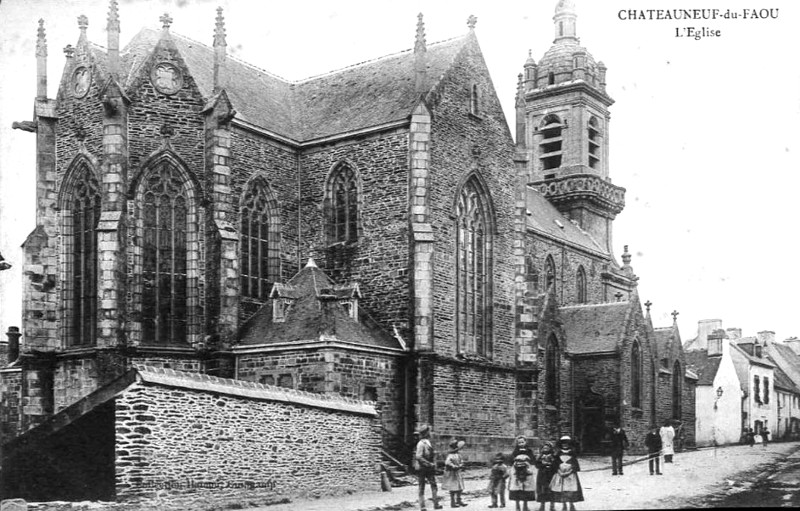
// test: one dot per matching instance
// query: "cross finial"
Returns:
(419, 41)
(675, 315)
(647, 305)
(83, 22)
(619, 296)
(69, 51)
(41, 41)
(219, 29)
(471, 21)
(113, 16)
(166, 21)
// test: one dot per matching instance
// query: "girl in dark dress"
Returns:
(565, 485)
(545, 464)
(521, 447)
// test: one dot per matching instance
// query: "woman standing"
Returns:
(566, 486)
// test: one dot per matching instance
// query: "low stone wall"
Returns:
(180, 435)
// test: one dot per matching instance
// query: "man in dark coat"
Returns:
(653, 443)
(619, 442)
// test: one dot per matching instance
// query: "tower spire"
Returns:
(420, 56)
(220, 50)
(41, 62)
(113, 38)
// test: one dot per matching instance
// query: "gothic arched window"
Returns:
(677, 377)
(551, 145)
(594, 142)
(473, 270)
(343, 188)
(552, 362)
(342, 199)
(580, 285)
(259, 259)
(636, 375)
(81, 213)
(549, 273)
(166, 227)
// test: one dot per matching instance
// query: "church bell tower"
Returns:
(563, 110)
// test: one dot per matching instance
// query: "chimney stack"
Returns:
(13, 335)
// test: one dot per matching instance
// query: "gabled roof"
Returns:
(368, 94)
(666, 338)
(544, 218)
(314, 315)
(596, 328)
(704, 366)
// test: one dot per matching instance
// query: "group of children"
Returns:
(556, 476)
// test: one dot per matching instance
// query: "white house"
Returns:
(757, 375)
(718, 402)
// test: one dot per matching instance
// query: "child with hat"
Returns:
(497, 480)
(565, 485)
(453, 480)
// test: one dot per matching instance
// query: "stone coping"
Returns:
(251, 390)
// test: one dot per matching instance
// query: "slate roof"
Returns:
(788, 361)
(368, 94)
(544, 218)
(704, 366)
(595, 328)
(314, 316)
(783, 381)
(665, 338)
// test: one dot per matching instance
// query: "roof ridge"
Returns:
(370, 61)
(586, 305)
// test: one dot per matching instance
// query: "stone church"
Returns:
(377, 232)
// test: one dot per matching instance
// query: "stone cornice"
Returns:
(588, 187)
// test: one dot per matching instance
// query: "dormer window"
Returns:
(280, 307)
(350, 307)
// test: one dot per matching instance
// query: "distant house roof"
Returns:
(783, 382)
(785, 358)
(368, 94)
(704, 366)
(545, 219)
(597, 328)
(314, 314)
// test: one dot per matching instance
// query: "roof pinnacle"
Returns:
(219, 29)
(113, 16)
(41, 41)
(471, 21)
(419, 41)
(83, 22)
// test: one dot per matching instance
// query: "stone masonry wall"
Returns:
(10, 394)
(477, 402)
(379, 260)
(176, 442)
(461, 143)
(366, 376)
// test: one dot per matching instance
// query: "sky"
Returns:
(704, 134)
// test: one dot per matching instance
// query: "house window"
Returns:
(550, 146)
(636, 376)
(594, 143)
(259, 260)
(167, 223)
(550, 273)
(677, 380)
(473, 270)
(81, 212)
(766, 390)
(552, 363)
(757, 389)
(580, 285)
